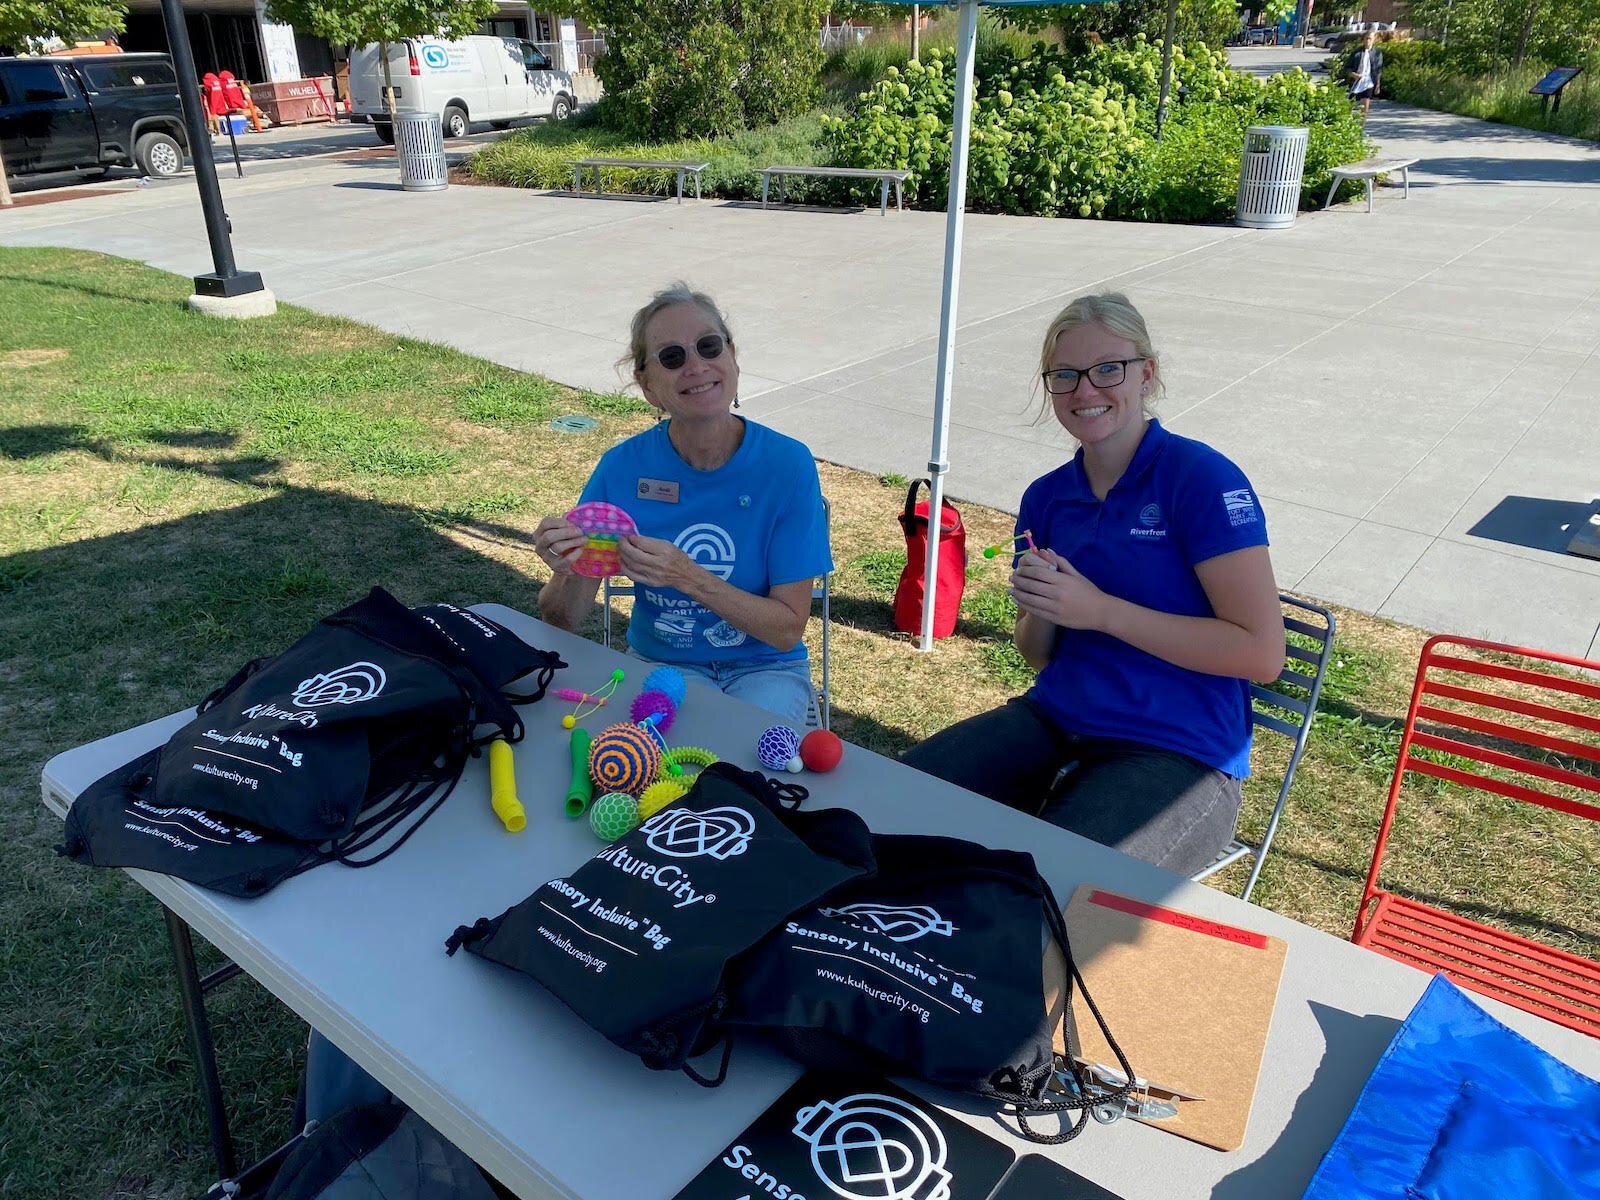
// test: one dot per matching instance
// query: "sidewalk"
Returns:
(1413, 392)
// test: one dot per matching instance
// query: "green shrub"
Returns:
(704, 68)
(541, 157)
(1056, 133)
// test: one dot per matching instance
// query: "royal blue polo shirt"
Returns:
(1178, 504)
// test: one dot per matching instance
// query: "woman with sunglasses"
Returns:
(732, 532)
(1146, 604)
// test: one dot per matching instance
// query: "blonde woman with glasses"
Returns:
(732, 532)
(1146, 604)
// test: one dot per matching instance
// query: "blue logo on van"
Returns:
(436, 57)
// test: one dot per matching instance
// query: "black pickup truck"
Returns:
(89, 112)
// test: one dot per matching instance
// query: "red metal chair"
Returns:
(1456, 711)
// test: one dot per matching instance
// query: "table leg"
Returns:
(205, 1056)
(1369, 193)
(680, 187)
(1405, 182)
(1332, 188)
(783, 188)
(883, 197)
(899, 198)
(765, 179)
(577, 181)
(697, 185)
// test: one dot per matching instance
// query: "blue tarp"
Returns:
(1462, 1108)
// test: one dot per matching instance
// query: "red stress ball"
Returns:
(821, 750)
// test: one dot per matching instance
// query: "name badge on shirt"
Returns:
(665, 490)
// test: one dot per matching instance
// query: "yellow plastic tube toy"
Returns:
(503, 787)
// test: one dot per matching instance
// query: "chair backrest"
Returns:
(821, 713)
(1502, 725)
(1308, 637)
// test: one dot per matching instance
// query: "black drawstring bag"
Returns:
(338, 748)
(636, 940)
(932, 968)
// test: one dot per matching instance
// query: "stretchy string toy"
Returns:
(606, 525)
(596, 701)
(1011, 547)
(673, 761)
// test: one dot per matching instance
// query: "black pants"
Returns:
(1156, 805)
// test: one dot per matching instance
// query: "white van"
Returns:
(491, 79)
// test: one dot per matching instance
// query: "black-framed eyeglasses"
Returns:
(707, 346)
(1103, 375)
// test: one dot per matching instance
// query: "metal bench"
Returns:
(884, 178)
(1369, 169)
(641, 164)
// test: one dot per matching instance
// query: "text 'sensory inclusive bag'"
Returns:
(932, 967)
(337, 748)
(636, 940)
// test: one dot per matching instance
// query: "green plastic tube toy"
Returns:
(582, 789)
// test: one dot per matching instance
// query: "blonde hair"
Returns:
(1114, 312)
(668, 297)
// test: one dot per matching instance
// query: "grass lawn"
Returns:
(179, 495)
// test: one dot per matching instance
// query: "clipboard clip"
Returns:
(1104, 1082)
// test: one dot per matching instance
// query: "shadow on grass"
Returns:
(83, 289)
(98, 636)
(21, 442)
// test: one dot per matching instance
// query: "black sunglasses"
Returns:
(708, 346)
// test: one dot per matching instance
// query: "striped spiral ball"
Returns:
(624, 758)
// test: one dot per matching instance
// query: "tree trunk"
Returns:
(5, 188)
(1527, 28)
(388, 83)
(916, 32)
(1166, 67)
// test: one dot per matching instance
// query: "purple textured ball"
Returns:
(659, 703)
(779, 749)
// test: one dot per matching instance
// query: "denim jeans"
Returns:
(782, 688)
(1156, 805)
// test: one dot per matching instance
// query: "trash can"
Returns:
(1274, 158)
(419, 145)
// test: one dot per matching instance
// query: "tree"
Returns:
(362, 22)
(702, 68)
(22, 21)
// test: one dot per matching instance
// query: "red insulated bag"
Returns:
(952, 577)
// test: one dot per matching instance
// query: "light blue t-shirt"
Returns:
(1178, 504)
(756, 521)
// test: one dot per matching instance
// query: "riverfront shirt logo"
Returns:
(897, 922)
(1241, 506)
(348, 685)
(683, 833)
(1150, 526)
(711, 546)
(869, 1146)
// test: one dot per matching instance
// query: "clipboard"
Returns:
(1189, 1000)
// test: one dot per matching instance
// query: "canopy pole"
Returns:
(938, 458)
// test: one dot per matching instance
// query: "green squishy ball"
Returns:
(614, 815)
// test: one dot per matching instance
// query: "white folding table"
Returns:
(552, 1109)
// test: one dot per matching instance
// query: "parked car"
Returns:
(91, 112)
(478, 78)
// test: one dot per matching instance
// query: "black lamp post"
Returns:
(227, 281)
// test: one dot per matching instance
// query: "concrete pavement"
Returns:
(1415, 393)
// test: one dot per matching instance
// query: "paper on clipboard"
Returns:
(1189, 1000)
